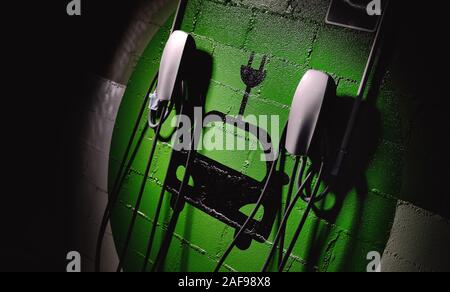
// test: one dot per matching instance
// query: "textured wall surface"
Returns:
(363, 215)
(360, 215)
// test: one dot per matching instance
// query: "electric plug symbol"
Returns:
(251, 78)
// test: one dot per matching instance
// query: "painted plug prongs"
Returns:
(251, 78)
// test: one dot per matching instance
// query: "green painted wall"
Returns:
(296, 39)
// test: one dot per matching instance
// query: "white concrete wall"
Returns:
(419, 242)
